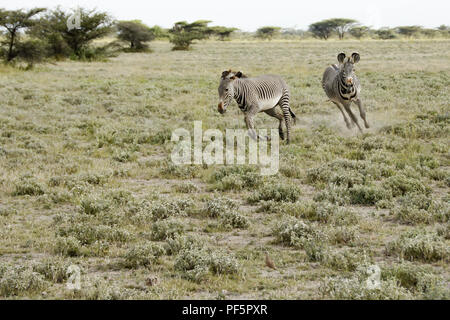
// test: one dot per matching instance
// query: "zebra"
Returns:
(342, 88)
(253, 95)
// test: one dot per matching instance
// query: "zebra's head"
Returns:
(226, 89)
(346, 66)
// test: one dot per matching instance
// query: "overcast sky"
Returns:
(248, 15)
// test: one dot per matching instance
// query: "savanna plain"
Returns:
(86, 178)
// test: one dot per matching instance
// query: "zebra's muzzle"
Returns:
(349, 80)
(220, 108)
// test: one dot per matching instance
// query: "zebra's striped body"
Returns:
(254, 95)
(342, 87)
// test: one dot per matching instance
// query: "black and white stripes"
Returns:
(342, 87)
(254, 95)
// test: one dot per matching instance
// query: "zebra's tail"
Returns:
(294, 117)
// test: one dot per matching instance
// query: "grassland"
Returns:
(86, 178)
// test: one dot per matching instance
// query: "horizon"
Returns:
(287, 15)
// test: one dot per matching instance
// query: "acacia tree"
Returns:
(409, 31)
(93, 25)
(385, 34)
(321, 29)
(14, 22)
(135, 33)
(359, 31)
(224, 33)
(267, 32)
(183, 33)
(342, 25)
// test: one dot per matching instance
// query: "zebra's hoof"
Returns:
(281, 135)
(367, 125)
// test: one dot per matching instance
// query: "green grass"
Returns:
(86, 178)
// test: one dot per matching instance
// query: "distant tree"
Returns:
(31, 51)
(409, 31)
(223, 33)
(267, 32)
(444, 30)
(430, 33)
(160, 33)
(359, 31)
(14, 22)
(183, 33)
(322, 29)
(385, 34)
(93, 25)
(341, 26)
(135, 33)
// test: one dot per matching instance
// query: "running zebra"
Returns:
(342, 87)
(254, 95)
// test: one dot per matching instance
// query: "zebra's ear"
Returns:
(239, 74)
(225, 73)
(341, 57)
(355, 57)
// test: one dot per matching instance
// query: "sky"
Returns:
(248, 15)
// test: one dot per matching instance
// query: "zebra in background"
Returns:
(254, 95)
(342, 88)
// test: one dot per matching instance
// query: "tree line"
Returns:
(38, 34)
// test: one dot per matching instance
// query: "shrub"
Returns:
(187, 187)
(164, 209)
(418, 279)
(217, 206)
(418, 245)
(343, 235)
(164, 229)
(53, 269)
(419, 208)
(142, 255)
(18, 279)
(68, 246)
(346, 260)
(401, 185)
(27, 186)
(93, 205)
(335, 194)
(87, 233)
(340, 288)
(293, 232)
(196, 263)
(231, 220)
(368, 195)
(176, 244)
(236, 178)
(278, 192)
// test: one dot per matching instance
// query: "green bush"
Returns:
(293, 232)
(164, 229)
(401, 185)
(217, 206)
(142, 255)
(27, 185)
(19, 279)
(419, 245)
(164, 209)
(368, 195)
(279, 192)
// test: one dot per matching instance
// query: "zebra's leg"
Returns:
(347, 123)
(251, 126)
(273, 113)
(362, 112)
(352, 116)
(284, 104)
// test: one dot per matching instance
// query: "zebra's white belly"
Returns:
(269, 103)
